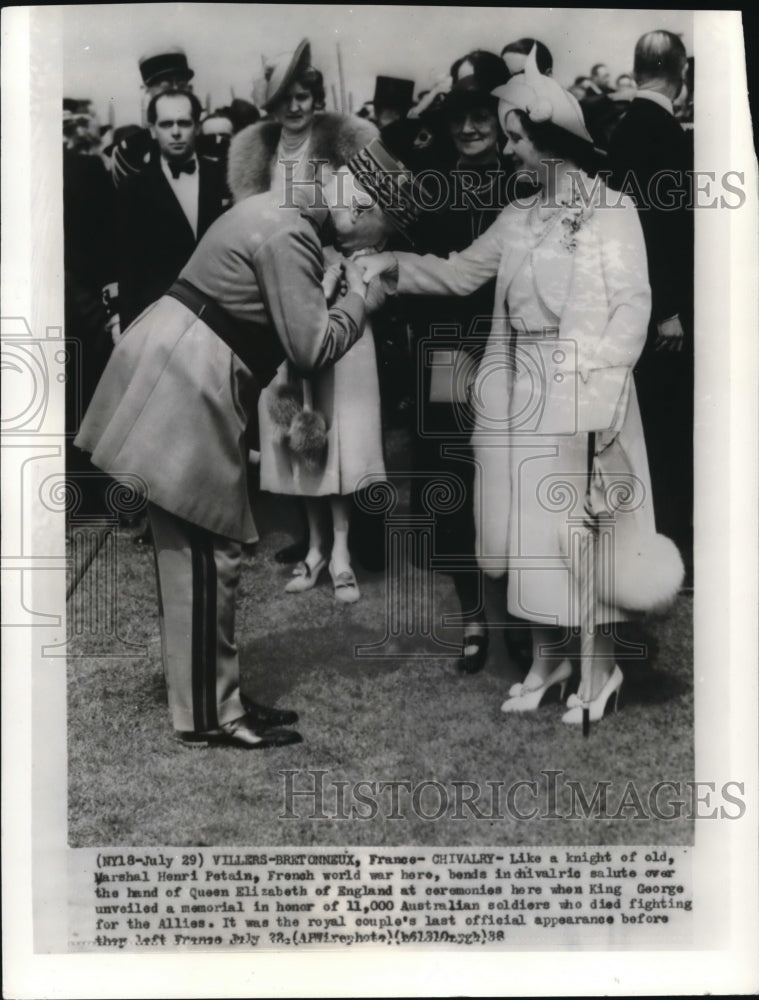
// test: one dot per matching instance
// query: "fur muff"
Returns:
(284, 405)
(334, 138)
(647, 575)
(307, 439)
(298, 428)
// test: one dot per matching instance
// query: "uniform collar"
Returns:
(310, 201)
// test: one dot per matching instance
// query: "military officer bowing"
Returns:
(175, 398)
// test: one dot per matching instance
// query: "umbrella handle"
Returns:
(589, 598)
(308, 399)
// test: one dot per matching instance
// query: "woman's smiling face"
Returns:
(474, 132)
(526, 156)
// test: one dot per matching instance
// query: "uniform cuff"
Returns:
(354, 305)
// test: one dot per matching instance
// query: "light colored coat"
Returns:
(589, 274)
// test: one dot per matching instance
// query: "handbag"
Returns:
(452, 373)
(574, 405)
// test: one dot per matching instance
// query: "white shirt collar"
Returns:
(186, 189)
(653, 95)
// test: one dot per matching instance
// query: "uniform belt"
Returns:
(258, 348)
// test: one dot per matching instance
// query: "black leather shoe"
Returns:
(266, 716)
(472, 663)
(294, 553)
(244, 733)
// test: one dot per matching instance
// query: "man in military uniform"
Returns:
(181, 385)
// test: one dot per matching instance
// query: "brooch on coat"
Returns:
(573, 218)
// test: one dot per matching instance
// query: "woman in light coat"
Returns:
(570, 316)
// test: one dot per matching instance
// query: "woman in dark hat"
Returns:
(479, 183)
(557, 434)
(298, 146)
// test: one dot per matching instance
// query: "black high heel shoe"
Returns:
(472, 663)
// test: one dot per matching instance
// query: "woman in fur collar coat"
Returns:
(299, 145)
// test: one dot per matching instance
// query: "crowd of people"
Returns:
(495, 264)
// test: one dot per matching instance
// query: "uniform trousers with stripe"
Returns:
(198, 574)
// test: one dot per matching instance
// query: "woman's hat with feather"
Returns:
(542, 99)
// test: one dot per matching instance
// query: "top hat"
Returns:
(393, 92)
(73, 105)
(283, 72)
(159, 66)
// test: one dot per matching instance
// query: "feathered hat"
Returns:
(542, 99)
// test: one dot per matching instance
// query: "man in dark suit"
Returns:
(650, 157)
(166, 69)
(163, 211)
(89, 276)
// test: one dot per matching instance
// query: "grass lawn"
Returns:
(408, 718)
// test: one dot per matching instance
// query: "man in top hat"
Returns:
(181, 385)
(393, 96)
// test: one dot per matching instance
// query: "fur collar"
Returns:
(334, 138)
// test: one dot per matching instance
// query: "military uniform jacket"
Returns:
(173, 404)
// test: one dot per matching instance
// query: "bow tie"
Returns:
(188, 167)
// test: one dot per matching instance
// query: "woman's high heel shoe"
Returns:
(523, 699)
(304, 577)
(472, 663)
(597, 707)
(346, 588)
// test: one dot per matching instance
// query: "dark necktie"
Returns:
(188, 167)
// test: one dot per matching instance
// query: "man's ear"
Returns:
(152, 131)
